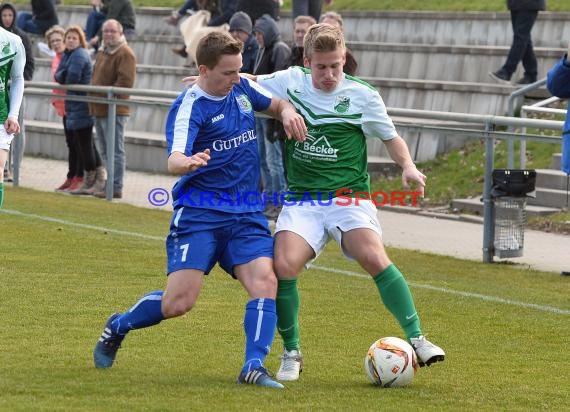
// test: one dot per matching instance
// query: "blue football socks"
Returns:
(146, 312)
(259, 324)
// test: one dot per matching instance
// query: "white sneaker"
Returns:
(427, 352)
(291, 365)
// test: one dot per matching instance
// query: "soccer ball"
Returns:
(391, 362)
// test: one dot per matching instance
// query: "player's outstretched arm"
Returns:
(293, 122)
(180, 164)
(398, 151)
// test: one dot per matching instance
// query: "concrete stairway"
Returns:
(551, 193)
(450, 28)
(431, 61)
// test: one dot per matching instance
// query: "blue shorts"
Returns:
(200, 238)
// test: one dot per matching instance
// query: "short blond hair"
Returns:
(323, 38)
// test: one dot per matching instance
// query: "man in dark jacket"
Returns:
(523, 16)
(301, 25)
(42, 17)
(241, 29)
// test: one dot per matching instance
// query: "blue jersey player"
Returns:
(217, 214)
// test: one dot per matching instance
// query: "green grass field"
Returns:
(68, 263)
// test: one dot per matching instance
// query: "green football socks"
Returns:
(288, 313)
(1, 194)
(398, 299)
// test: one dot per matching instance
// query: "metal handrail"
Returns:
(514, 97)
(112, 96)
(538, 107)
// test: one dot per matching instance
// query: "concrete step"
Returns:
(144, 151)
(417, 94)
(143, 118)
(154, 77)
(551, 179)
(149, 20)
(448, 96)
(459, 97)
(475, 205)
(476, 28)
(463, 97)
(550, 198)
(440, 62)
(376, 59)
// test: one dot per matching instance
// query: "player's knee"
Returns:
(284, 268)
(373, 263)
(267, 285)
(172, 308)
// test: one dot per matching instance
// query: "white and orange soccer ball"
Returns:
(391, 362)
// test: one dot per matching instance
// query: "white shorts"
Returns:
(317, 224)
(5, 138)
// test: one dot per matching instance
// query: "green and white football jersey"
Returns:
(12, 61)
(334, 156)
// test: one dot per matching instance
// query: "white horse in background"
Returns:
(194, 28)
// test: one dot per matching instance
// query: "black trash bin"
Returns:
(511, 187)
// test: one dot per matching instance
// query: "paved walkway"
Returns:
(434, 233)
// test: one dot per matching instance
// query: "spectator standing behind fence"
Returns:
(74, 179)
(75, 68)
(241, 29)
(42, 17)
(335, 19)
(523, 16)
(8, 19)
(300, 26)
(558, 83)
(273, 55)
(121, 10)
(116, 66)
(309, 8)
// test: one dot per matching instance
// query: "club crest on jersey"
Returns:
(342, 104)
(243, 103)
(5, 48)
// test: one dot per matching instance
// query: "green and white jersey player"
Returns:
(340, 113)
(12, 61)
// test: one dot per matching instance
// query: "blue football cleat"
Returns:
(259, 376)
(107, 346)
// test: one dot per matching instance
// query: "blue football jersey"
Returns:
(225, 125)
